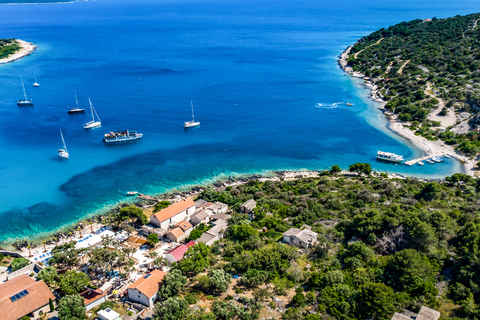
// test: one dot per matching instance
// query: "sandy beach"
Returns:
(26, 49)
(429, 148)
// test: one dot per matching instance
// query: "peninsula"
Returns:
(14, 49)
(425, 73)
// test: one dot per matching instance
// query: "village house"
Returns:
(185, 226)
(218, 207)
(201, 204)
(424, 314)
(93, 298)
(23, 296)
(151, 228)
(216, 233)
(248, 206)
(145, 289)
(176, 254)
(177, 212)
(300, 238)
(175, 235)
(200, 217)
(108, 314)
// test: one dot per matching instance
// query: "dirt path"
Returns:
(446, 121)
(356, 54)
(403, 66)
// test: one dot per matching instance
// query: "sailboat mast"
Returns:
(63, 140)
(193, 116)
(91, 109)
(24, 92)
(76, 98)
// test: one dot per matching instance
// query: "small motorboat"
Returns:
(447, 156)
(420, 163)
(131, 193)
(430, 161)
(349, 104)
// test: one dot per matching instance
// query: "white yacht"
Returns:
(92, 124)
(25, 102)
(63, 153)
(36, 84)
(190, 124)
(388, 156)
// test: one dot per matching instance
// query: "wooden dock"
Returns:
(417, 160)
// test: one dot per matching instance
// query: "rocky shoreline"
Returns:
(26, 48)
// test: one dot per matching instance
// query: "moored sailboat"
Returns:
(77, 108)
(190, 124)
(36, 84)
(24, 102)
(92, 124)
(63, 153)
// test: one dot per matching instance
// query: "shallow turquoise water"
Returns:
(255, 71)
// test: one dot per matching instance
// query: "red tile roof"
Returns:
(92, 296)
(149, 284)
(177, 232)
(37, 297)
(180, 251)
(174, 209)
(185, 225)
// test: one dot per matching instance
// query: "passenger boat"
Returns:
(388, 156)
(25, 102)
(63, 153)
(92, 124)
(77, 108)
(121, 136)
(191, 124)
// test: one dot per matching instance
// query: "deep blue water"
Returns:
(255, 71)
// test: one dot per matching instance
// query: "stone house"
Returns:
(424, 314)
(300, 238)
(248, 206)
(180, 211)
(145, 289)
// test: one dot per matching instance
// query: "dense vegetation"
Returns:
(384, 245)
(442, 54)
(7, 47)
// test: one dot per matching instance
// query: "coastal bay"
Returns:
(256, 84)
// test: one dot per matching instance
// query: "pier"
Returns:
(417, 160)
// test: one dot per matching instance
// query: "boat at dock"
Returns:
(447, 156)
(191, 124)
(420, 163)
(430, 161)
(77, 108)
(25, 102)
(121, 136)
(437, 159)
(92, 124)
(390, 157)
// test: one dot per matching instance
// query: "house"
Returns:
(185, 226)
(108, 314)
(220, 223)
(93, 298)
(177, 253)
(200, 217)
(177, 212)
(300, 238)
(214, 234)
(202, 204)
(23, 296)
(219, 207)
(248, 206)
(424, 314)
(151, 228)
(207, 238)
(220, 216)
(176, 234)
(145, 289)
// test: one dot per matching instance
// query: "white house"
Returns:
(93, 298)
(145, 289)
(218, 207)
(108, 314)
(175, 213)
(200, 217)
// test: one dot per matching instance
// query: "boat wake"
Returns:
(328, 106)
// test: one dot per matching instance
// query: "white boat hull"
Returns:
(24, 103)
(191, 124)
(92, 124)
(63, 154)
(36, 85)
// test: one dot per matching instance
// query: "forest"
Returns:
(7, 47)
(440, 56)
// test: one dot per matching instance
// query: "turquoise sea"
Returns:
(256, 72)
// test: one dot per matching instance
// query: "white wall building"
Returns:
(180, 211)
(145, 289)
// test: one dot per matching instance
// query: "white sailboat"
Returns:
(93, 123)
(190, 124)
(63, 153)
(24, 102)
(76, 109)
(36, 84)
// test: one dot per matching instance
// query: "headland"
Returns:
(26, 48)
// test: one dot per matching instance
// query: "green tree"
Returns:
(133, 213)
(48, 274)
(72, 282)
(195, 260)
(299, 300)
(219, 281)
(104, 258)
(171, 309)
(152, 239)
(375, 301)
(172, 284)
(161, 205)
(335, 169)
(72, 307)
(254, 277)
(18, 263)
(358, 167)
(50, 304)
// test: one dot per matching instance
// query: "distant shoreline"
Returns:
(429, 148)
(26, 48)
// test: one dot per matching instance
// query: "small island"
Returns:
(14, 49)
(426, 74)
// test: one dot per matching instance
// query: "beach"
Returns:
(26, 48)
(429, 148)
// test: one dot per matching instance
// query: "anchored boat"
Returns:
(121, 136)
(63, 153)
(92, 124)
(25, 102)
(390, 157)
(76, 109)
(191, 124)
